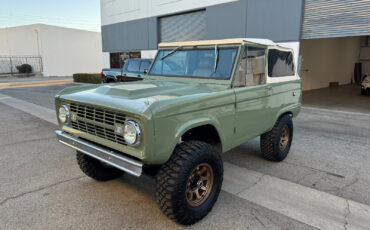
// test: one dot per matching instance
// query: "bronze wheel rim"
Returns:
(199, 185)
(284, 137)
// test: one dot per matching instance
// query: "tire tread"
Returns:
(171, 174)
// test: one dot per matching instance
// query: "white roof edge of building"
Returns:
(47, 25)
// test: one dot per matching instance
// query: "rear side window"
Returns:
(133, 65)
(280, 63)
(144, 65)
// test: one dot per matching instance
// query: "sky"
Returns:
(79, 14)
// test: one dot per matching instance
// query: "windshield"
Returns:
(199, 63)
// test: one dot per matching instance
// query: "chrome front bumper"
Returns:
(109, 157)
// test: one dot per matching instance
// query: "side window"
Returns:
(280, 63)
(251, 70)
(133, 65)
(144, 65)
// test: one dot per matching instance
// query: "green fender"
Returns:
(293, 109)
(193, 124)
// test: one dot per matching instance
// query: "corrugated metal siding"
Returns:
(335, 18)
(183, 27)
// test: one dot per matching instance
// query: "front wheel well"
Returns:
(110, 79)
(290, 114)
(205, 133)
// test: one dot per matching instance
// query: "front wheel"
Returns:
(275, 144)
(189, 183)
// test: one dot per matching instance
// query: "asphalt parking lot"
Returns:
(42, 186)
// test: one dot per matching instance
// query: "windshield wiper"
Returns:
(172, 52)
(216, 59)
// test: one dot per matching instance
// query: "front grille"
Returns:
(98, 122)
(98, 115)
(102, 132)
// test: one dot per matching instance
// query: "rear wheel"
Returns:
(188, 185)
(96, 169)
(275, 144)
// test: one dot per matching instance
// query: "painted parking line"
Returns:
(307, 205)
(33, 109)
(24, 84)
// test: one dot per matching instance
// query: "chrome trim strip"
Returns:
(107, 156)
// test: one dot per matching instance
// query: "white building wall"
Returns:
(328, 60)
(106, 60)
(64, 51)
(20, 40)
(68, 51)
(114, 11)
(148, 54)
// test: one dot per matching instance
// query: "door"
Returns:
(339, 18)
(251, 92)
(183, 27)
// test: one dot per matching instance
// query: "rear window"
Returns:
(144, 65)
(133, 65)
(280, 63)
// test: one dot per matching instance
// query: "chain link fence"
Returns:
(8, 64)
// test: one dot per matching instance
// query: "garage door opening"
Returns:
(328, 73)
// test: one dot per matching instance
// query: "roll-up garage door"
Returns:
(335, 18)
(183, 27)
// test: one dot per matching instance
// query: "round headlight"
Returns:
(63, 114)
(131, 133)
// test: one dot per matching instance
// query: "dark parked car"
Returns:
(132, 70)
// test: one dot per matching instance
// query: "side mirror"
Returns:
(145, 71)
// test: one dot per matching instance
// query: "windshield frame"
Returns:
(207, 47)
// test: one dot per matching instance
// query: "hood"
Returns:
(140, 97)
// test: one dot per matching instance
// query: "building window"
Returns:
(117, 60)
(114, 60)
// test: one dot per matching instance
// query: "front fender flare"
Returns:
(193, 124)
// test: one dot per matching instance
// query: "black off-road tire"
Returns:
(173, 176)
(270, 141)
(95, 169)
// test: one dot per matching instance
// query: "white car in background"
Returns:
(365, 85)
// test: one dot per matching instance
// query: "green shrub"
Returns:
(93, 78)
(24, 68)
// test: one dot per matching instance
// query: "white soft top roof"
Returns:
(260, 41)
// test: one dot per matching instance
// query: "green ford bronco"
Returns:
(200, 99)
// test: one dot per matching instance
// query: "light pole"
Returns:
(38, 42)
